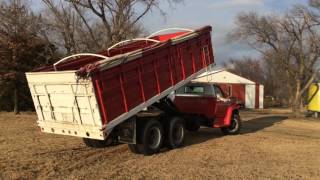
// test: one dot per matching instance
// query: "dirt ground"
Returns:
(271, 146)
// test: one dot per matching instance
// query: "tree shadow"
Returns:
(248, 126)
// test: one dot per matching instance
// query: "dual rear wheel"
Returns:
(155, 135)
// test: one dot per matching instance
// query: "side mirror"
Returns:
(228, 91)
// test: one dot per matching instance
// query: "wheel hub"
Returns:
(154, 138)
(234, 125)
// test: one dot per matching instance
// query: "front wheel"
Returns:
(235, 126)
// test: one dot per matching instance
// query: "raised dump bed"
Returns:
(87, 95)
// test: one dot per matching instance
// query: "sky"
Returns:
(220, 14)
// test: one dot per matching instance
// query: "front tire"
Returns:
(152, 138)
(235, 126)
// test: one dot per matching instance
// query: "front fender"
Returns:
(227, 118)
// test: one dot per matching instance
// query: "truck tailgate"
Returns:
(65, 105)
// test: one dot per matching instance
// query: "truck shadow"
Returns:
(257, 124)
(248, 126)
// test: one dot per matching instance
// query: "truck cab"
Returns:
(205, 104)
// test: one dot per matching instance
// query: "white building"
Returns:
(250, 93)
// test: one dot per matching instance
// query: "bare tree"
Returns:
(92, 25)
(21, 48)
(68, 28)
(278, 82)
(120, 18)
(292, 41)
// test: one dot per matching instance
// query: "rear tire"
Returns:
(151, 138)
(235, 126)
(175, 133)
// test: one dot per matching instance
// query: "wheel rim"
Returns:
(154, 138)
(234, 125)
(178, 133)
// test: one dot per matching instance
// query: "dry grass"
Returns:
(272, 146)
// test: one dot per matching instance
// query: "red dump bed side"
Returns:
(123, 87)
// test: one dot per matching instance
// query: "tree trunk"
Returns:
(16, 109)
(296, 103)
(296, 107)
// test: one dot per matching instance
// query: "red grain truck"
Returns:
(121, 94)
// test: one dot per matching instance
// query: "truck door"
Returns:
(222, 103)
(196, 99)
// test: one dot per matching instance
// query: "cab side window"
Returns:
(194, 90)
